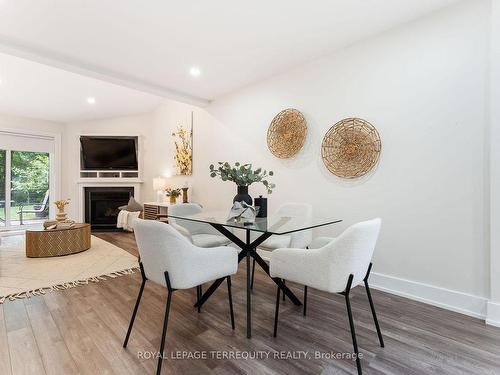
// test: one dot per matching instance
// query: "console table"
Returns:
(42, 243)
(155, 210)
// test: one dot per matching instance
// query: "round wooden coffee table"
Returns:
(56, 242)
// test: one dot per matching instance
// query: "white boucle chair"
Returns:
(297, 240)
(334, 265)
(167, 258)
(200, 234)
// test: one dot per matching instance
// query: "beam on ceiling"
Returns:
(16, 48)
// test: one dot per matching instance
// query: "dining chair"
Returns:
(334, 265)
(297, 240)
(200, 234)
(168, 259)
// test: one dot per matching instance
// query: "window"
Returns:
(26, 179)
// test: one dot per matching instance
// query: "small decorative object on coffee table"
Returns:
(173, 194)
(60, 204)
(56, 242)
(49, 223)
(242, 175)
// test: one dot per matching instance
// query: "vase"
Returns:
(173, 200)
(184, 195)
(261, 203)
(61, 215)
(243, 195)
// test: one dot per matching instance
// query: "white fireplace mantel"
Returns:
(136, 184)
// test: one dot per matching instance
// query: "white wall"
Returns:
(493, 316)
(34, 125)
(423, 86)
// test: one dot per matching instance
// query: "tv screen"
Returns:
(108, 153)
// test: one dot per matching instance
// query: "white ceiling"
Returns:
(36, 90)
(151, 45)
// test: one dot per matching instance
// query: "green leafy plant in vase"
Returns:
(243, 175)
(173, 194)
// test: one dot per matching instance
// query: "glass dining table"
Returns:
(262, 227)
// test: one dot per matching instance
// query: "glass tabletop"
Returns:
(274, 224)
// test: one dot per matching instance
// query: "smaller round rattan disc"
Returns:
(351, 148)
(287, 133)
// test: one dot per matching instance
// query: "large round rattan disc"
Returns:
(287, 133)
(351, 148)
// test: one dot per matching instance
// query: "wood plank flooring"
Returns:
(80, 331)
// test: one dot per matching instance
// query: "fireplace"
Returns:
(101, 205)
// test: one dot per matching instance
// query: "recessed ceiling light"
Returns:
(194, 71)
(91, 100)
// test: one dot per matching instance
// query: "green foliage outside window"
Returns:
(30, 176)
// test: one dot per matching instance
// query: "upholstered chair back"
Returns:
(187, 209)
(351, 253)
(162, 248)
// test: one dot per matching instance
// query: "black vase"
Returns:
(243, 195)
(262, 204)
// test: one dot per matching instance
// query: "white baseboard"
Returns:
(445, 298)
(493, 314)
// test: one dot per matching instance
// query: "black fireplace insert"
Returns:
(101, 206)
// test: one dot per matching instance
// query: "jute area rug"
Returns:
(22, 277)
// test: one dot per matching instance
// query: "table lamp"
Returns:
(159, 184)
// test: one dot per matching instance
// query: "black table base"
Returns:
(248, 251)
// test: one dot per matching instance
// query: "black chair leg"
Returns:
(165, 324)
(199, 293)
(276, 312)
(305, 295)
(230, 296)
(253, 273)
(136, 307)
(305, 300)
(372, 307)
(284, 292)
(351, 324)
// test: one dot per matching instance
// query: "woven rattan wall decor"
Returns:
(287, 133)
(351, 148)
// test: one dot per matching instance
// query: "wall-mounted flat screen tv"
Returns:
(108, 153)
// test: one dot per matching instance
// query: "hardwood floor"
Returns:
(81, 330)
